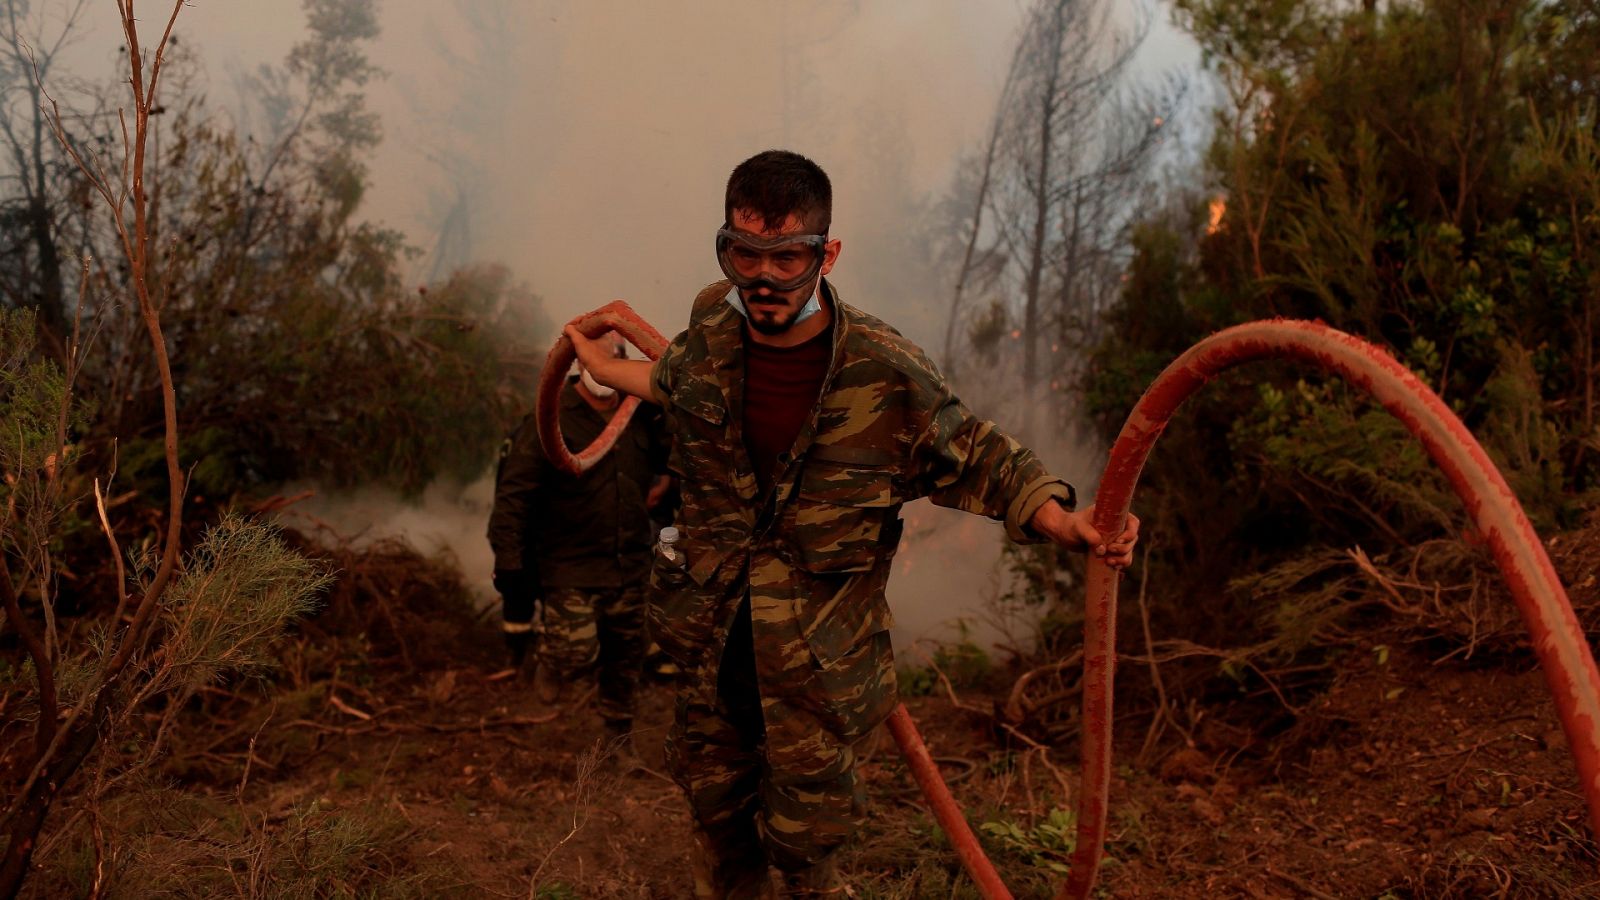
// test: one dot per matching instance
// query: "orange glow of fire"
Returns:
(1219, 205)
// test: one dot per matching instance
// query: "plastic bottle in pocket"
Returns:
(668, 554)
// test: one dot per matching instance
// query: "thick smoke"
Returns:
(585, 145)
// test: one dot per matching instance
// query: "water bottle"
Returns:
(668, 554)
(671, 598)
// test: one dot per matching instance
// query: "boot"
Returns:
(820, 880)
(547, 684)
(749, 881)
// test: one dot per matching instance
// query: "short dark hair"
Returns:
(777, 183)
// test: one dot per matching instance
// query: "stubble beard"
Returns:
(773, 320)
(780, 321)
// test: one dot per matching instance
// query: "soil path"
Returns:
(1408, 779)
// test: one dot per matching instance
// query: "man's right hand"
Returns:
(630, 376)
(519, 594)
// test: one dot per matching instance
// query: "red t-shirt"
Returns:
(781, 387)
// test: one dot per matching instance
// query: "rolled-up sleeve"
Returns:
(970, 464)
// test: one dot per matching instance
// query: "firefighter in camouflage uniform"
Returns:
(799, 425)
(576, 550)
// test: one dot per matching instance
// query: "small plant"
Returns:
(1046, 845)
(964, 663)
(916, 681)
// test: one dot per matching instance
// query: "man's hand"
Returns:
(630, 376)
(519, 595)
(1076, 531)
(516, 586)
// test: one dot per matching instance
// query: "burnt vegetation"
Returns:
(193, 314)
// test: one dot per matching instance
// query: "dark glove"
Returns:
(519, 594)
(515, 583)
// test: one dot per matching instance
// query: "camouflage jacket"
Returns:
(815, 553)
(589, 531)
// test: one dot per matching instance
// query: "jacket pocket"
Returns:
(678, 616)
(698, 419)
(834, 626)
(839, 514)
(854, 691)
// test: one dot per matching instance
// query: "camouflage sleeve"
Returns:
(663, 373)
(969, 464)
(516, 491)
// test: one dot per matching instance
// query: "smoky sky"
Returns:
(585, 144)
(603, 171)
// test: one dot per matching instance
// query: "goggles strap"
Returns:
(812, 307)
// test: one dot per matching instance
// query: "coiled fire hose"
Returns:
(1558, 639)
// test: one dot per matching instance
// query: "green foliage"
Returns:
(33, 396)
(352, 378)
(331, 59)
(1040, 574)
(1048, 844)
(989, 331)
(1354, 466)
(298, 350)
(39, 419)
(240, 590)
(962, 661)
(910, 681)
(1426, 175)
(1526, 441)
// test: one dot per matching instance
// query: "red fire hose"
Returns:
(1558, 639)
(615, 316)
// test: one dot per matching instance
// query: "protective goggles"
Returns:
(782, 263)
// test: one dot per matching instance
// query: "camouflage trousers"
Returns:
(753, 801)
(598, 630)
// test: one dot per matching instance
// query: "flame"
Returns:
(1219, 205)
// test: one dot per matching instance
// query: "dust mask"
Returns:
(600, 391)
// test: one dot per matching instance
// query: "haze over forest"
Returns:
(585, 146)
(589, 142)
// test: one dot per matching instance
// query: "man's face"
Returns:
(772, 311)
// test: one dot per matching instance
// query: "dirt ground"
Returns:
(1422, 781)
(1408, 777)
